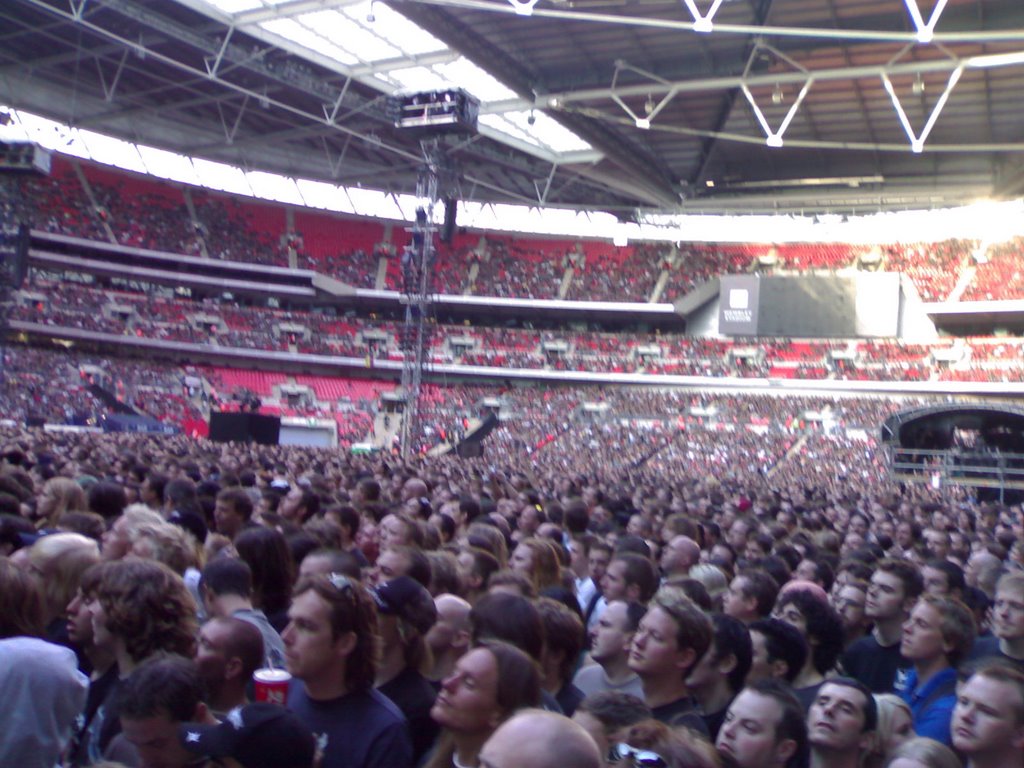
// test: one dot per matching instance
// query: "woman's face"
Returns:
(902, 730)
(522, 560)
(468, 700)
(47, 502)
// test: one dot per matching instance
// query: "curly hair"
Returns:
(824, 627)
(166, 543)
(149, 607)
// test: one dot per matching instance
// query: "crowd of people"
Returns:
(694, 593)
(160, 315)
(150, 214)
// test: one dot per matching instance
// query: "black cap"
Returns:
(257, 735)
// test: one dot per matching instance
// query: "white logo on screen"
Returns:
(739, 298)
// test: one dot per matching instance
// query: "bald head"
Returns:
(538, 739)
(414, 488)
(452, 628)
(679, 556)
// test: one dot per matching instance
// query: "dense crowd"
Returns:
(159, 315)
(669, 579)
(145, 213)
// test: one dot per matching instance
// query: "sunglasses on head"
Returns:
(638, 758)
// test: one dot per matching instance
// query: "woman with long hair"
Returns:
(537, 559)
(488, 685)
(59, 495)
(266, 552)
(895, 727)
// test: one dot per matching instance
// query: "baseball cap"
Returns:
(257, 735)
(409, 600)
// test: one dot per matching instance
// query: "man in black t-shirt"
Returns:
(672, 637)
(875, 660)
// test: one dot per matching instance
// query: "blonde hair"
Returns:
(887, 705)
(69, 495)
(926, 751)
(60, 559)
(166, 543)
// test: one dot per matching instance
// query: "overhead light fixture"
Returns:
(918, 87)
(777, 94)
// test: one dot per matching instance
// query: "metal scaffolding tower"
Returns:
(435, 178)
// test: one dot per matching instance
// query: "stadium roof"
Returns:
(806, 106)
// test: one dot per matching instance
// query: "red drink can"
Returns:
(271, 685)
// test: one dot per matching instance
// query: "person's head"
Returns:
(153, 701)
(537, 739)
(225, 576)
(895, 725)
(405, 614)
(59, 495)
(489, 683)
(672, 636)
(612, 634)
(58, 561)
(727, 659)
(324, 561)
(165, 543)
(779, 650)
(679, 555)
(922, 753)
(751, 596)
(107, 499)
(229, 650)
(265, 551)
(299, 504)
(598, 558)
(564, 638)
(849, 603)
(451, 632)
(398, 530)
(1008, 611)
(332, 631)
(143, 608)
(399, 560)
(117, 541)
(536, 559)
(764, 727)
(21, 602)
(476, 566)
(818, 622)
(607, 716)
(938, 627)
(942, 578)
(259, 735)
(653, 742)
(988, 718)
(511, 618)
(843, 717)
(232, 511)
(629, 577)
(895, 586)
(937, 542)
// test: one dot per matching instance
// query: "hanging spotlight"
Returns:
(777, 94)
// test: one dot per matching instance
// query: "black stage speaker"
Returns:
(244, 428)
